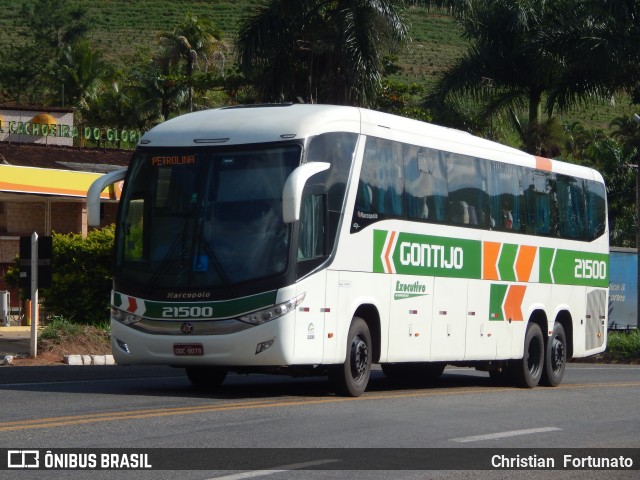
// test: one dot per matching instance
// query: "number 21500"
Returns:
(590, 269)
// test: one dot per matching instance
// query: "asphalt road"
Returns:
(77, 408)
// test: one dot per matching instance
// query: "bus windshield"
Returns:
(194, 218)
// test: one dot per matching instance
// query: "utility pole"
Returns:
(636, 118)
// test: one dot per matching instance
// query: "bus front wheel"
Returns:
(527, 372)
(351, 378)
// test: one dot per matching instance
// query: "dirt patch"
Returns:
(609, 359)
(91, 341)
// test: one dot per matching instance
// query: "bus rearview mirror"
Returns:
(293, 187)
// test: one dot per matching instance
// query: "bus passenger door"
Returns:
(311, 253)
(410, 318)
(448, 329)
(310, 320)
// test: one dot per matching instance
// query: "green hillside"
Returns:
(124, 29)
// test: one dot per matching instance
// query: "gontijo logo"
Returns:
(414, 254)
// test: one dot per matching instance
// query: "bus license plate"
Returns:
(187, 349)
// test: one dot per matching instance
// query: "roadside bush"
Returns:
(624, 346)
(81, 284)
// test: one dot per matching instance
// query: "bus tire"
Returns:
(206, 378)
(526, 372)
(351, 378)
(555, 358)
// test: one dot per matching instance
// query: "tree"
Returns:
(159, 87)
(80, 72)
(322, 51)
(45, 29)
(499, 68)
(507, 69)
(597, 42)
(81, 282)
(54, 23)
(193, 41)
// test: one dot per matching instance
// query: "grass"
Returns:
(63, 336)
(624, 346)
(59, 329)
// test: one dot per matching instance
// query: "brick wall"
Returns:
(24, 218)
(66, 217)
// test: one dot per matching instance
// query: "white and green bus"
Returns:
(317, 239)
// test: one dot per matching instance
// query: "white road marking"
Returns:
(512, 433)
(281, 468)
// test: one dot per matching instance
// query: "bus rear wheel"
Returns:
(555, 359)
(527, 372)
(206, 378)
(351, 378)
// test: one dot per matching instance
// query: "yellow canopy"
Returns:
(46, 181)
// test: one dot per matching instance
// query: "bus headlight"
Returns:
(271, 313)
(124, 317)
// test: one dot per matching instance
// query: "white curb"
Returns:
(89, 360)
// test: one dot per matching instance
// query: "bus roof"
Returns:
(253, 124)
(283, 122)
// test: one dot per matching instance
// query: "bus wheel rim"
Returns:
(557, 354)
(359, 358)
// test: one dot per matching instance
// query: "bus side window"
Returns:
(540, 202)
(506, 197)
(426, 194)
(596, 209)
(381, 183)
(467, 181)
(571, 207)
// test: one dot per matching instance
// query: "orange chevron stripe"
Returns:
(388, 252)
(490, 253)
(513, 302)
(524, 262)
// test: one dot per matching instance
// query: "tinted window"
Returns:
(507, 196)
(426, 193)
(467, 179)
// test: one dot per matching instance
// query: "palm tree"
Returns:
(500, 57)
(80, 72)
(328, 51)
(509, 69)
(195, 41)
(597, 40)
(159, 87)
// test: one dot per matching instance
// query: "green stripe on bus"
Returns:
(496, 299)
(507, 262)
(428, 255)
(569, 267)
(220, 309)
